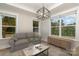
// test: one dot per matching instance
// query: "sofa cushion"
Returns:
(13, 38)
(20, 35)
(30, 35)
(22, 41)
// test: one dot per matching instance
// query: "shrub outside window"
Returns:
(55, 26)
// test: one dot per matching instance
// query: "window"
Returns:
(55, 26)
(8, 26)
(35, 26)
(64, 25)
(68, 26)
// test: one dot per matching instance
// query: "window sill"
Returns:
(64, 37)
(5, 38)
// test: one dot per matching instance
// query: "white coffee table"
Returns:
(36, 50)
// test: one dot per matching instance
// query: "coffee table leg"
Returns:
(47, 52)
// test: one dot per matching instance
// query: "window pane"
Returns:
(55, 30)
(68, 31)
(35, 24)
(54, 22)
(11, 21)
(8, 31)
(68, 20)
(35, 29)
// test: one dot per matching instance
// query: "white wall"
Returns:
(24, 23)
(45, 29)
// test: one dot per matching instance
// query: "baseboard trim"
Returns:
(44, 41)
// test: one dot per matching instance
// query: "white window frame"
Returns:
(38, 25)
(10, 14)
(60, 32)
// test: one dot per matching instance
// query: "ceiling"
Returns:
(64, 7)
(33, 7)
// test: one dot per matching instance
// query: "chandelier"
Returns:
(43, 13)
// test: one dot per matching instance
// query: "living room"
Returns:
(59, 32)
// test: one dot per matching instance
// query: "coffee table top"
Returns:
(35, 49)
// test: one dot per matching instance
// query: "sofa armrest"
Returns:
(12, 41)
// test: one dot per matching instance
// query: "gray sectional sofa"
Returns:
(23, 40)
